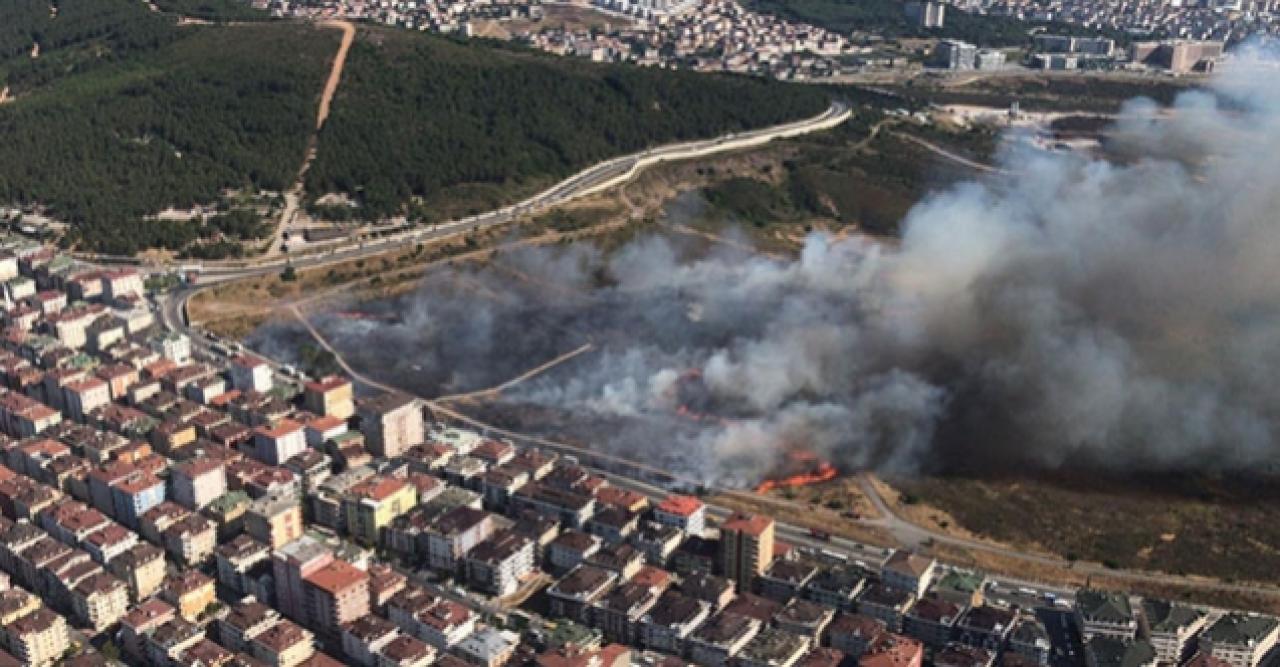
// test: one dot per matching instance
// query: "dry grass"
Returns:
(237, 308)
(1227, 529)
(830, 506)
(1065, 576)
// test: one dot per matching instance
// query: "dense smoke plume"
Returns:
(1076, 312)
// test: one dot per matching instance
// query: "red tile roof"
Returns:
(751, 524)
(680, 505)
(337, 576)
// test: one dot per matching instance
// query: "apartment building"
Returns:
(276, 444)
(785, 578)
(190, 592)
(1110, 651)
(455, 534)
(1242, 640)
(335, 594)
(855, 633)
(1104, 613)
(142, 568)
(772, 647)
(100, 600)
(891, 650)
(684, 512)
(330, 396)
(574, 594)
(499, 565)
(1171, 629)
(909, 572)
(746, 547)
(166, 644)
(985, 627)
(139, 623)
(804, 619)
(291, 565)
(132, 496)
(190, 540)
(37, 639)
(371, 505)
(237, 558)
(250, 373)
(619, 613)
(274, 519)
(720, 639)
(440, 622)
(284, 644)
(392, 423)
(364, 638)
(886, 603)
(672, 620)
(409, 651)
(932, 621)
(198, 482)
(1030, 639)
(81, 397)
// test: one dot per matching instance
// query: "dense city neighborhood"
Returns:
(173, 502)
(723, 35)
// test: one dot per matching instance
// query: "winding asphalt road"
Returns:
(598, 178)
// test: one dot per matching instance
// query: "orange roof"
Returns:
(893, 650)
(751, 524)
(248, 361)
(159, 368)
(327, 383)
(323, 424)
(337, 576)
(46, 446)
(139, 483)
(224, 398)
(652, 577)
(623, 498)
(87, 384)
(281, 429)
(149, 613)
(378, 488)
(680, 505)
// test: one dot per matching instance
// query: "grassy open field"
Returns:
(1048, 92)
(1226, 528)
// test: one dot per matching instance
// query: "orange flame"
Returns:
(824, 472)
(693, 415)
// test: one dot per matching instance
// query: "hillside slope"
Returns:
(451, 124)
(140, 114)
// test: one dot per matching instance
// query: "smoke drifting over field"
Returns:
(1080, 312)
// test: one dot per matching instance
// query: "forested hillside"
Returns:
(124, 114)
(213, 10)
(434, 120)
(82, 35)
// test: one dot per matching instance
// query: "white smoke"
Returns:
(1078, 311)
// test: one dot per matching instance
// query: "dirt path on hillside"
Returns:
(293, 198)
(335, 73)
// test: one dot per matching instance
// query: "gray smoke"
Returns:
(1077, 312)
